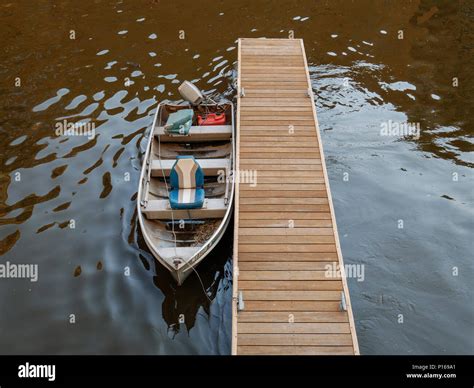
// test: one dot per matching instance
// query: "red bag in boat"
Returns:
(212, 119)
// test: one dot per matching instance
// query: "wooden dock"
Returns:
(284, 302)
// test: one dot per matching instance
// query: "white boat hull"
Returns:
(180, 261)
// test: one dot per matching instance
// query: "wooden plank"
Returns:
(288, 248)
(276, 160)
(290, 228)
(295, 131)
(284, 174)
(285, 231)
(296, 340)
(293, 316)
(280, 156)
(285, 135)
(271, 84)
(269, 61)
(283, 201)
(287, 52)
(280, 127)
(278, 60)
(210, 167)
(285, 216)
(268, 119)
(273, 72)
(295, 350)
(278, 142)
(269, 49)
(280, 187)
(290, 240)
(268, 113)
(284, 208)
(294, 208)
(288, 180)
(160, 210)
(250, 42)
(292, 305)
(282, 93)
(293, 295)
(269, 44)
(275, 62)
(279, 110)
(273, 102)
(282, 60)
(290, 285)
(274, 206)
(321, 275)
(284, 223)
(249, 69)
(274, 139)
(282, 78)
(263, 113)
(270, 123)
(301, 101)
(277, 91)
(293, 328)
(271, 52)
(285, 266)
(264, 173)
(282, 168)
(288, 76)
(263, 178)
(282, 194)
(287, 257)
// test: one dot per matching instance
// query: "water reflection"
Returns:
(182, 304)
(444, 90)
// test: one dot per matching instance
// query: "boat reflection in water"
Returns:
(182, 304)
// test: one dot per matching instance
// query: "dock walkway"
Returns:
(285, 229)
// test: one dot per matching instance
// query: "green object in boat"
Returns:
(179, 122)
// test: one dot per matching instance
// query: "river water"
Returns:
(403, 200)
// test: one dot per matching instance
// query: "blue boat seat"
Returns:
(187, 184)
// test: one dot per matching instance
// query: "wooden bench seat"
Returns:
(197, 133)
(210, 167)
(160, 210)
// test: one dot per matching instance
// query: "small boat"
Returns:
(186, 189)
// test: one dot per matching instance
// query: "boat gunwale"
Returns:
(210, 243)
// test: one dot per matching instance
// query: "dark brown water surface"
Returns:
(109, 63)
